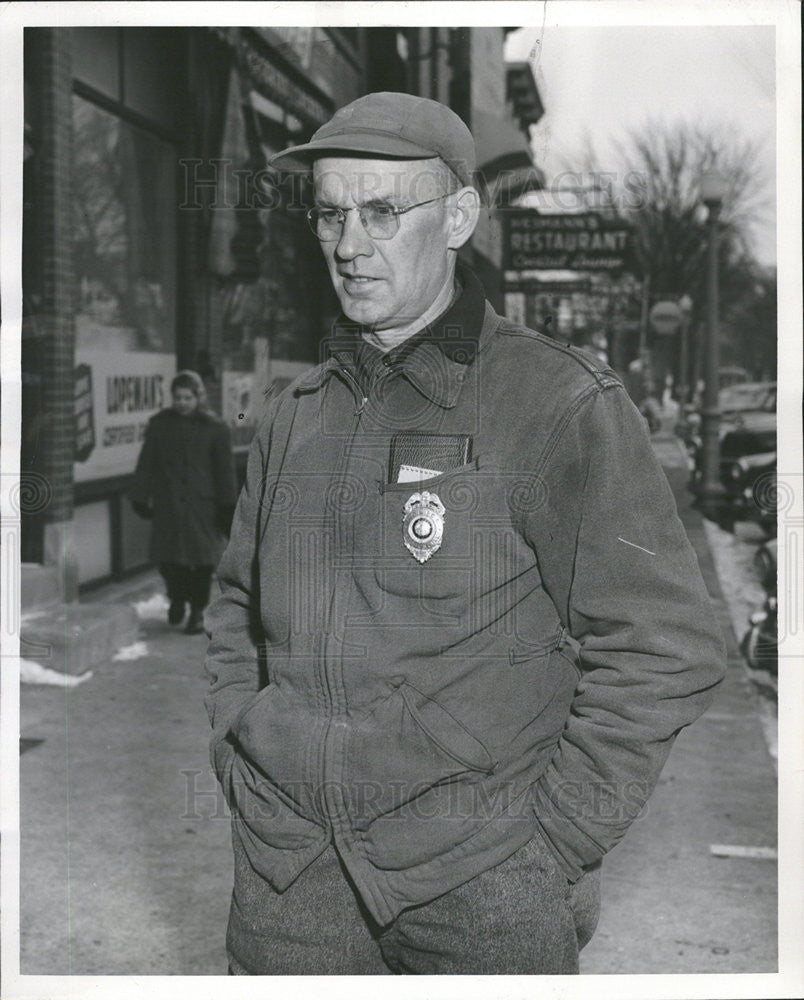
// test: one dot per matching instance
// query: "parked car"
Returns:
(748, 408)
(749, 482)
(760, 644)
(747, 455)
(749, 397)
(731, 375)
(728, 377)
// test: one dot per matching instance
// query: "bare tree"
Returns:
(654, 182)
(663, 165)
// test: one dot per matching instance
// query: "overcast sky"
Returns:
(605, 80)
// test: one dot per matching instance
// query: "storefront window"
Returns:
(124, 254)
(125, 106)
(269, 324)
(96, 58)
(152, 73)
(123, 234)
(268, 285)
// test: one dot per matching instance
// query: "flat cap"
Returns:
(389, 125)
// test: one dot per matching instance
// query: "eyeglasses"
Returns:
(381, 222)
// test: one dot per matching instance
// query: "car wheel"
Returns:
(749, 647)
(769, 526)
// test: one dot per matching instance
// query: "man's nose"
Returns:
(354, 241)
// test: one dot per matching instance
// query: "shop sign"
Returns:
(587, 241)
(532, 286)
(83, 416)
(239, 393)
(244, 395)
(320, 58)
(115, 397)
(274, 84)
(294, 41)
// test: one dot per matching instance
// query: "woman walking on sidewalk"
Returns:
(185, 484)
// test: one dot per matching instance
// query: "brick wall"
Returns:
(51, 57)
(487, 94)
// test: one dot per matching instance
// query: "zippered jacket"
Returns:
(526, 680)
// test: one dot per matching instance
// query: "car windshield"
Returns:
(748, 396)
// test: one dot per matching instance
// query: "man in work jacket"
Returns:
(460, 622)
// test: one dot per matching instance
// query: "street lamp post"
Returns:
(685, 305)
(710, 494)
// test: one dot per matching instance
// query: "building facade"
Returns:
(156, 238)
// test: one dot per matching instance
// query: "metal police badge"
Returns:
(423, 525)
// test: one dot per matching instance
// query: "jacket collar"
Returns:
(436, 360)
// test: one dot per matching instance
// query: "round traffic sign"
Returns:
(665, 318)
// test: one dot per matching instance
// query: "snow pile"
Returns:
(32, 672)
(29, 616)
(155, 606)
(135, 651)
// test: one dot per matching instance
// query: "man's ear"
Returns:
(464, 207)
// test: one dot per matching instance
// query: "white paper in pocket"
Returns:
(414, 474)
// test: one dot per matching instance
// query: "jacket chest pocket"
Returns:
(432, 537)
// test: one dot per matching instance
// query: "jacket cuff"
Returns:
(572, 849)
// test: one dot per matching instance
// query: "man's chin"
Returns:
(360, 312)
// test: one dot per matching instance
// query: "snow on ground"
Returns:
(29, 616)
(135, 651)
(32, 672)
(743, 593)
(154, 606)
(734, 560)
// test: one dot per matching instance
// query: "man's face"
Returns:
(386, 283)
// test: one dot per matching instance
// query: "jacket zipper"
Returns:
(358, 395)
(333, 805)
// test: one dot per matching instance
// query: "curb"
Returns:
(74, 638)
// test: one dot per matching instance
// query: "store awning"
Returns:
(523, 93)
(504, 161)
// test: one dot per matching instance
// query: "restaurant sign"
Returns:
(586, 241)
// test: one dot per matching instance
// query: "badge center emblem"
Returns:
(423, 525)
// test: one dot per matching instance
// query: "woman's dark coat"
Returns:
(185, 475)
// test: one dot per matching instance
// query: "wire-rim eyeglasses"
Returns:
(380, 221)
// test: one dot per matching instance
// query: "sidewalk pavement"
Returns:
(125, 852)
(126, 860)
(668, 904)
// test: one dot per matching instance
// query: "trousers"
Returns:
(521, 917)
(187, 583)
